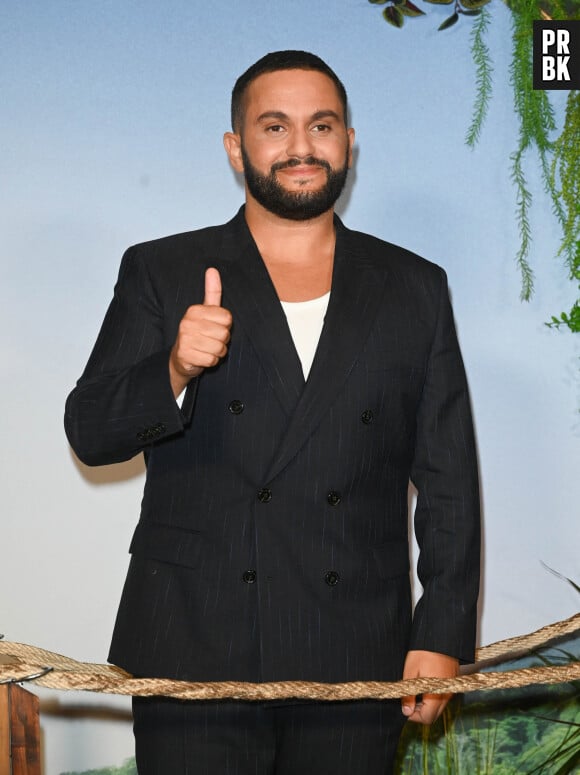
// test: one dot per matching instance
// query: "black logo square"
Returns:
(556, 54)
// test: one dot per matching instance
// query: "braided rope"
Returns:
(20, 662)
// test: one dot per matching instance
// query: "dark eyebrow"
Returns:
(280, 116)
(326, 114)
(273, 114)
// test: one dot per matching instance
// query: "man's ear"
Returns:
(233, 146)
(350, 133)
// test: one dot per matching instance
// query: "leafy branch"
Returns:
(483, 76)
(396, 10)
(559, 159)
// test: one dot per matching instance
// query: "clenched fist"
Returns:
(202, 337)
(427, 664)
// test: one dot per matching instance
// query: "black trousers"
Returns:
(175, 737)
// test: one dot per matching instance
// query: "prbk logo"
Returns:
(557, 55)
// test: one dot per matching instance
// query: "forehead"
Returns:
(292, 92)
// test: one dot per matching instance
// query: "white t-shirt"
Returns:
(305, 320)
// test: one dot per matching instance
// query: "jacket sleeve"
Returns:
(123, 401)
(447, 518)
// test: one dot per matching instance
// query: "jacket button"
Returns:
(265, 495)
(333, 498)
(236, 406)
(332, 578)
(249, 576)
(367, 416)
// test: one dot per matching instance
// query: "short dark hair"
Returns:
(280, 60)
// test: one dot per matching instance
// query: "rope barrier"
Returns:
(20, 662)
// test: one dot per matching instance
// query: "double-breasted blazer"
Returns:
(273, 537)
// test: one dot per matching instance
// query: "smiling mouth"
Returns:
(306, 166)
(303, 178)
(303, 170)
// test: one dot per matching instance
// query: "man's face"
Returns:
(293, 148)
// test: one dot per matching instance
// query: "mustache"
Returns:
(310, 161)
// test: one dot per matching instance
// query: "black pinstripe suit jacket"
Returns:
(273, 539)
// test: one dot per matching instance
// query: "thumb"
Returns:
(213, 288)
(408, 705)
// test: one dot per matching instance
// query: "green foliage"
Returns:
(565, 180)
(394, 15)
(569, 319)
(563, 752)
(565, 183)
(483, 76)
(523, 203)
(127, 768)
(559, 159)
(560, 576)
(408, 9)
(536, 120)
(396, 10)
(449, 21)
(524, 731)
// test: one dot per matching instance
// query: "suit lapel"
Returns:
(250, 295)
(357, 289)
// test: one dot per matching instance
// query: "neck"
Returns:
(282, 239)
(299, 255)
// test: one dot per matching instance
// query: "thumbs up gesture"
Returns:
(202, 337)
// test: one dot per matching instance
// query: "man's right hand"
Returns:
(202, 337)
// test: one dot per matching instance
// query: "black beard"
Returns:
(294, 205)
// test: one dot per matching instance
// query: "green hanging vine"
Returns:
(536, 120)
(565, 179)
(483, 76)
(559, 158)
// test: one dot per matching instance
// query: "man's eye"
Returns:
(321, 128)
(275, 128)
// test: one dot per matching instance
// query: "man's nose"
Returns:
(300, 144)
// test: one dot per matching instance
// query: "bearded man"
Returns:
(285, 378)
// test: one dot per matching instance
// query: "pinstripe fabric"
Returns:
(221, 738)
(305, 485)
